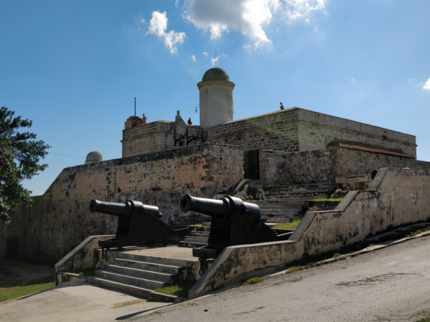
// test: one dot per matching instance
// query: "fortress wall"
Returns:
(147, 138)
(289, 130)
(158, 136)
(277, 131)
(60, 219)
(317, 130)
(279, 168)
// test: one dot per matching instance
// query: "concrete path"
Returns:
(82, 302)
(390, 284)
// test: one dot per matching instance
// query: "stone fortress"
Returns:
(281, 160)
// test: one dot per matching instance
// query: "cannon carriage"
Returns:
(234, 222)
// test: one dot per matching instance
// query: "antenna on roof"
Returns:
(135, 106)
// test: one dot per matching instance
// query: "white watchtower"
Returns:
(216, 98)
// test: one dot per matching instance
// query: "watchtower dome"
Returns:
(216, 98)
(93, 157)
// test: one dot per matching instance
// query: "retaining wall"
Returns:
(395, 197)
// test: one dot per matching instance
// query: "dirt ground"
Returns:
(19, 272)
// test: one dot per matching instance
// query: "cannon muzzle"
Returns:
(217, 209)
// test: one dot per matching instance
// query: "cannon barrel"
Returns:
(217, 209)
(111, 208)
(122, 210)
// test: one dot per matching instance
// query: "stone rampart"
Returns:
(317, 130)
(277, 131)
(291, 130)
(60, 219)
(280, 168)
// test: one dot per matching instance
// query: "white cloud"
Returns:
(214, 61)
(142, 20)
(224, 55)
(352, 79)
(247, 47)
(247, 16)
(307, 20)
(158, 27)
(298, 9)
(205, 53)
(411, 80)
(427, 85)
(176, 3)
(193, 57)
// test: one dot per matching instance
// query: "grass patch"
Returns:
(288, 225)
(427, 319)
(294, 269)
(414, 233)
(336, 255)
(329, 199)
(34, 286)
(252, 281)
(180, 290)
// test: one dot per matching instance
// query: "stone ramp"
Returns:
(280, 211)
(140, 271)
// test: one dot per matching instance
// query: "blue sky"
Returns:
(74, 67)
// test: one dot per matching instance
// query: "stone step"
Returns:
(196, 239)
(298, 195)
(191, 244)
(280, 214)
(278, 211)
(292, 201)
(280, 205)
(152, 259)
(162, 268)
(278, 219)
(136, 272)
(126, 288)
(293, 192)
(128, 279)
(303, 186)
(201, 228)
(199, 233)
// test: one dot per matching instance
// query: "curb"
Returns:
(155, 296)
(363, 251)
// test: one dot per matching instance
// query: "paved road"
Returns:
(76, 303)
(391, 284)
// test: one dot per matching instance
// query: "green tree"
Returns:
(19, 159)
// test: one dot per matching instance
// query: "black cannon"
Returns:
(138, 224)
(234, 222)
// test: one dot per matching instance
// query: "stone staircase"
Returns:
(300, 191)
(289, 202)
(137, 274)
(198, 236)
